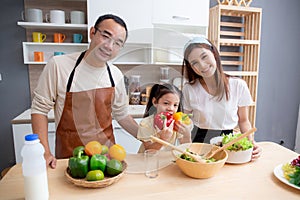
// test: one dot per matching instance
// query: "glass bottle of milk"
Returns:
(34, 169)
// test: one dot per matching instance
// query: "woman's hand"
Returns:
(257, 150)
(185, 130)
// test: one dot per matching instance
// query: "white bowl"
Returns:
(234, 157)
(239, 157)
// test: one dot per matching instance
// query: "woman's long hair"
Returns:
(220, 77)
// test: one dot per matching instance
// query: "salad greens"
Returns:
(295, 177)
(240, 145)
(186, 157)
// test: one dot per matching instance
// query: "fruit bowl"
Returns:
(234, 157)
(200, 169)
(107, 181)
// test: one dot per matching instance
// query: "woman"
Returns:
(218, 102)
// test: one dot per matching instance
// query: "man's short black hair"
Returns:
(113, 17)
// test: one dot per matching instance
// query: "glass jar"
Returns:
(135, 90)
(164, 74)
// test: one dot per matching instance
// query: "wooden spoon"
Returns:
(194, 156)
(211, 153)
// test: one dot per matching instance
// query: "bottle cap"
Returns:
(31, 137)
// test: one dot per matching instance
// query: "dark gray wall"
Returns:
(279, 72)
(14, 87)
(278, 92)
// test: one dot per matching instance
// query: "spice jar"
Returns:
(164, 74)
(135, 90)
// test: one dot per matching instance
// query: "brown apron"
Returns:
(86, 116)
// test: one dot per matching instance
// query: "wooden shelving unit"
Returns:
(235, 31)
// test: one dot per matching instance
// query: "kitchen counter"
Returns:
(136, 111)
(254, 180)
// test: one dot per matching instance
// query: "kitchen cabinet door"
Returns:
(181, 12)
(19, 133)
(135, 13)
(122, 137)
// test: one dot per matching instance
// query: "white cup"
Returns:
(33, 15)
(56, 16)
(151, 162)
(77, 17)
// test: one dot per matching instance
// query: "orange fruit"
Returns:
(117, 152)
(92, 148)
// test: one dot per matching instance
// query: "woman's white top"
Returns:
(208, 112)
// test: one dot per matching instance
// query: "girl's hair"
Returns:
(159, 90)
(220, 76)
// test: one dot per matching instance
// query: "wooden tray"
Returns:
(107, 181)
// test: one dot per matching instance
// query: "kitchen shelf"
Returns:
(235, 31)
(34, 25)
(49, 49)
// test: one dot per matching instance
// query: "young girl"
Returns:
(163, 98)
(219, 102)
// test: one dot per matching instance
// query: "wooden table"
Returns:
(254, 180)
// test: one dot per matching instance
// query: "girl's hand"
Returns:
(167, 131)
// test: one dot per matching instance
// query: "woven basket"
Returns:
(107, 181)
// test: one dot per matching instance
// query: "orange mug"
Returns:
(38, 56)
(59, 37)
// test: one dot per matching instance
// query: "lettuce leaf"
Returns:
(241, 145)
(295, 177)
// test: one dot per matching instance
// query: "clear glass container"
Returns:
(135, 90)
(164, 74)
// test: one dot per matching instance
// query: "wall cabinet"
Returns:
(178, 12)
(158, 30)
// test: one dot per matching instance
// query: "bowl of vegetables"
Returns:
(238, 153)
(200, 170)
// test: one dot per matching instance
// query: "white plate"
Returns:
(278, 172)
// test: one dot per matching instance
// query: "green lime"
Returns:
(114, 167)
(95, 175)
(104, 149)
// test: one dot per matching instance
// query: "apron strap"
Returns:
(73, 71)
(70, 80)
(110, 76)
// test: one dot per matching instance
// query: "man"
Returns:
(85, 92)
